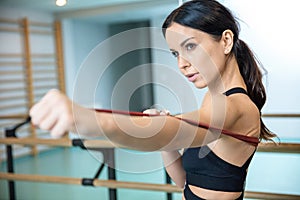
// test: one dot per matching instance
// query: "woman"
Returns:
(204, 37)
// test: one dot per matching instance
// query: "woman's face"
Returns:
(200, 57)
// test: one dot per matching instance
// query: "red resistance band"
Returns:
(251, 140)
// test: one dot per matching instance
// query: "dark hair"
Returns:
(213, 18)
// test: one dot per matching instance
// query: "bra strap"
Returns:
(235, 90)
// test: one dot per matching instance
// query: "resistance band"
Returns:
(251, 140)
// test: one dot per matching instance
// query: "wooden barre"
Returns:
(12, 80)
(12, 72)
(40, 63)
(284, 115)
(280, 148)
(63, 142)
(32, 23)
(43, 55)
(97, 182)
(12, 21)
(42, 24)
(19, 105)
(262, 147)
(16, 116)
(129, 185)
(44, 79)
(20, 55)
(12, 64)
(9, 98)
(42, 32)
(10, 29)
(44, 71)
(37, 87)
(12, 89)
(272, 196)
(11, 55)
(35, 63)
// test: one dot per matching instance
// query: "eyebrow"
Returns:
(184, 41)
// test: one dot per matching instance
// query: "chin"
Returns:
(200, 85)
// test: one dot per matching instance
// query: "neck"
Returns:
(230, 77)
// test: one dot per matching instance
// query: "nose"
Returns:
(182, 63)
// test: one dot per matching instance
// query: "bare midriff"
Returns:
(212, 194)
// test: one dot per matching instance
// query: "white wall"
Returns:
(270, 28)
(80, 38)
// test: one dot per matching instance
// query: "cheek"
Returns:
(214, 64)
(206, 65)
(219, 58)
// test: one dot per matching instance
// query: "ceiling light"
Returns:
(61, 2)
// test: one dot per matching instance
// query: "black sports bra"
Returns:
(207, 170)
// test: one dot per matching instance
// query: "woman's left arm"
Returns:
(173, 164)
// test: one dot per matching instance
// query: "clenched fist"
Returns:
(56, 113)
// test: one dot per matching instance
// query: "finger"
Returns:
(58, 130)
(44, 107)
(38, 112)
(152, 111)
(62, 126)
(49, 121)
(164, 112)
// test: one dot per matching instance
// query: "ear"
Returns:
(227, 39)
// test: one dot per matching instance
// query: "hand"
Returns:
(54, 113)
(154, 111)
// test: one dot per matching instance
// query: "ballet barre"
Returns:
(127, 185)
(107, 148)
(91, 144)
(62, 142)
(91, 182)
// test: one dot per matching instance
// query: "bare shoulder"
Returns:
(243, 114)
(236, 113)
(242, 117)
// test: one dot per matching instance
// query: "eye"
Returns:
(175, 54)
(190, 46)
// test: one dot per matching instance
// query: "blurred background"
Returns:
(93, 50)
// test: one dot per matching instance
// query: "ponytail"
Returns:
(249, 69)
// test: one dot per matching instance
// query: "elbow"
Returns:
(180, 185)
(181, 182)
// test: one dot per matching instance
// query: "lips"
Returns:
(192, 77)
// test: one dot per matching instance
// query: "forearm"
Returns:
(140, 133)
(173, 164)
(159, 133)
